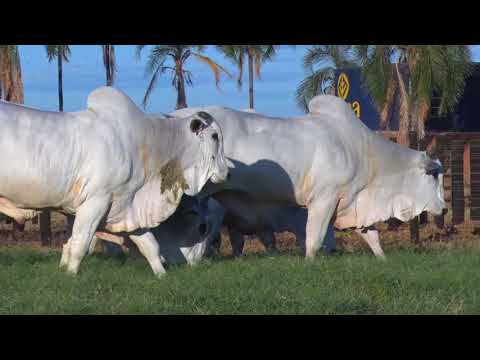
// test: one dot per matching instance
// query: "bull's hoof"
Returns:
(160, 275)
(71, 271)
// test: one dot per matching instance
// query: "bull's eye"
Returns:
(215, 136)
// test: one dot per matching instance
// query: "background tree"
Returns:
(416, 72)
(11, 84)
(108, 52)
(321, 61)
(256, 56)
(61, 53)
(178, 56)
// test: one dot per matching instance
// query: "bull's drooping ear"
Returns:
(431, 166)
(197, 125)
(202, 120)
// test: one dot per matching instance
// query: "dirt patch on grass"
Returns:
(349, 241)
(391, 237)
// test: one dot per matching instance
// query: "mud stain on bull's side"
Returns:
(146, 159)
(76, 189)
(306, 188)
(173, 179)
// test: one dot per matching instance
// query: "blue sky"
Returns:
(274, 94)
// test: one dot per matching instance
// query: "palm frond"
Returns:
(377, 71)
(313, 85)
(53, 51)
(216, 68)
(153, 81)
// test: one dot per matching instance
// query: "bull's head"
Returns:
(430, 187)
(206, 153)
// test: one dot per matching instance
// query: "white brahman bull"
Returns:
(329, 162)
(116, 168)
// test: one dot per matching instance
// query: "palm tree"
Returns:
(61, 53)
(320, 62)
(256, 56)
(178, 54)
(109, 62)
(416, 72)
(11, 84)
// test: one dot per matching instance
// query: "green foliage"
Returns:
(432, 68)
(54, 50)
(426, 282)
(320, 63)
(237, 54)
(178, 54)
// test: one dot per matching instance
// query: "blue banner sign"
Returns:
(349, 87)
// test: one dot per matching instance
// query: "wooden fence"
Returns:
(460, 155)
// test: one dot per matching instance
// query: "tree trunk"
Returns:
(107, 64)
(60, 80)
(250, 79)
(403, 137)
(389, 101)
(181, 97)
(45, 216)
(45, 229)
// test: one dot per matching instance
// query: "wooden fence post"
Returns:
(414, 223)
(45, 229)
(467, 185)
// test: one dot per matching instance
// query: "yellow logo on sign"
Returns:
(343, 86)
(356, 108)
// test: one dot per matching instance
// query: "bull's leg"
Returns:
(217, 242)
(237, 241)
(65, 254)
(148, 246)
(87, 218)
(329, 244)
(373, 240)
(267, 238)
(213, 246)
(320, 213)
(112, 244)
(93, 243)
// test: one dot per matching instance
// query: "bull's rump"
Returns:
(36, 156)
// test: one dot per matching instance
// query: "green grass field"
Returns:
(411, 282)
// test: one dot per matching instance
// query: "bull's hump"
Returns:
(326, 104)
(108, 99)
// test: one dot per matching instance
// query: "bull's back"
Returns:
(36, 153)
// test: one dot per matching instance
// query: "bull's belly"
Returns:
(147, 210)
